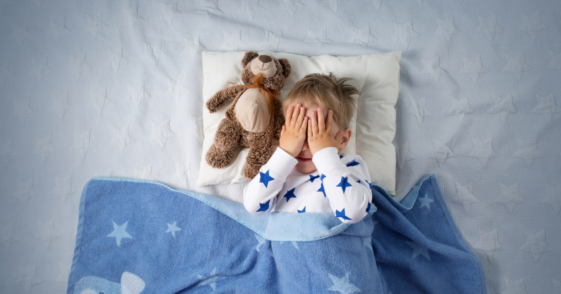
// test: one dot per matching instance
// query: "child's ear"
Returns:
(346, 138)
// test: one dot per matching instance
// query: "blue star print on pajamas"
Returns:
(341, 214)
(265, 178)
(312, 178)
(344, 183)
(302, 211)
(322, 190)
(264, 206)
(352, 163)
(289, 194)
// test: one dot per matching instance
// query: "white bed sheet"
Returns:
(114, 88)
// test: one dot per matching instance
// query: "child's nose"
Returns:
(305, 147)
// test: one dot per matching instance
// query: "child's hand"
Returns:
(293, 131)
(319, 135)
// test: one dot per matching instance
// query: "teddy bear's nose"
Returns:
(265, 58)
(265, 65)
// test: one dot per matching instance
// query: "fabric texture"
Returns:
(376, 76)
(148, 238)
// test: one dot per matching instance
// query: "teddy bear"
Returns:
(255, 118)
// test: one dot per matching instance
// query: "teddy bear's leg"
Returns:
(222, 153)
(260, 150)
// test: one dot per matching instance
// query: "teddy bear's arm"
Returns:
(279, 120)
(216, 101)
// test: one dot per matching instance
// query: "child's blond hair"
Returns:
(327, 92)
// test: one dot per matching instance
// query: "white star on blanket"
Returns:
(527, 151)
(446, 28)
(552, 198)
(318, 37)
(210, 280)
(460, 108)
(517, 287)
(404, 32)
(509, 196)
(441, 151)
(488, 242)
(555, 62)
(172, 228)
(425, 201)
(119, 233)
(473, 67)
(488, 26)
(531, 24)
(464, 195)
(342, 284)
(516, 65)
(546, 106)
(535, 244)
(362, 35)
(503, 107)
(483, 150)
(418, 250)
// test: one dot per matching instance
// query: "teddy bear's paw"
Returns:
(219, 158)
(250, 172)
(212, 106)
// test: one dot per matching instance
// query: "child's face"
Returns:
(305, 164)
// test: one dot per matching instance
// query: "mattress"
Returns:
(114, 89)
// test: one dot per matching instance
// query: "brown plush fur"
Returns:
(230, 133)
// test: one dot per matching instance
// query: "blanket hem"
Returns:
(332, 225)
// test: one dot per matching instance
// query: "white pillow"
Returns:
(373, 125)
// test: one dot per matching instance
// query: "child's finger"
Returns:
(304, 125)
(289, 115)
(321, 121)
(310, 135)
(300, 117)
(294, 115)
(315, 129)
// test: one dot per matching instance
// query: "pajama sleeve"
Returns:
(344, 183)
(260, 194)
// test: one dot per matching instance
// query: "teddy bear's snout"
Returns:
(264, 65)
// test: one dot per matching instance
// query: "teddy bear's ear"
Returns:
(249, 55)
(285, 66)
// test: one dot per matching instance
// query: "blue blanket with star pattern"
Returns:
(143, 237)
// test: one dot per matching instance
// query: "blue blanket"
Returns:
(143, 237)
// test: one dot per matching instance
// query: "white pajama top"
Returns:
(339, 186)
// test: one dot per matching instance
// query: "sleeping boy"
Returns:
(306, 174)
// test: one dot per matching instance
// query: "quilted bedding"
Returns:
(113, 89)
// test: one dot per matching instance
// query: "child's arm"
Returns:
(259, 195)
(343, 181)
(349, 199)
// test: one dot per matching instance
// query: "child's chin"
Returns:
(306, 167)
